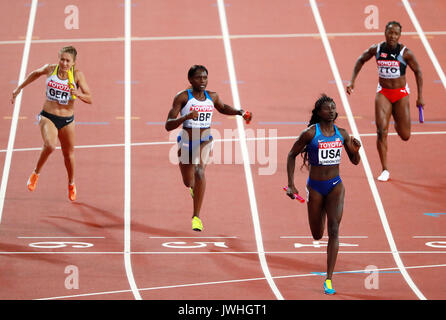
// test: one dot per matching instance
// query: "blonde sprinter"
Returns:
(64, 84)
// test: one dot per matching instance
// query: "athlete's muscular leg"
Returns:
(316, 213)
(66, 138)
(383, 111)
(200, 178)
(401, 115)
(187, 173)
(334, 206)
(49, 136)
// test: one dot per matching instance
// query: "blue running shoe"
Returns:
(328, 287)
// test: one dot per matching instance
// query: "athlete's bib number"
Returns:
(204, 116)
(58, 92)
(330, 153)
(389, 69)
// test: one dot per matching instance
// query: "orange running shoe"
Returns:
(32, 181)
(72, 192)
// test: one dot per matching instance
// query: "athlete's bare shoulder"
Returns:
(46, 69)
(213, 95)
(180, 98)
(373, 48)
(182, 94)
(343, 133)
(309, 132)
(51, 67)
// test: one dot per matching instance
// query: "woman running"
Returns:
(392, 94)
(64, 83)
(321, 145)
(195, 106)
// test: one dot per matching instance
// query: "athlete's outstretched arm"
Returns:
(363, 58)
(30, 78)
(224, 108)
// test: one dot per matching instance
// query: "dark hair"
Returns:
(194, 69)
(71, 50)
(316, 119)
(395, 23)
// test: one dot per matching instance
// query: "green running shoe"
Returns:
(197, 225)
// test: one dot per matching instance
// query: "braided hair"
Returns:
(315, 119)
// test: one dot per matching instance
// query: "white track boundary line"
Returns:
(157, 143)
(426, 44)
(204, 252)
(127, 148)
(18, 102)
(244, 149)
(234, 281)
(217, 37)
(365, 163)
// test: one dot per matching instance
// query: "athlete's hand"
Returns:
(350, 87)
(192, 115)
(420, 102)
(356, 144)
(75, 92)
(15, 93)
(291, 191)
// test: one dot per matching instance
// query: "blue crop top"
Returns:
(325, 151)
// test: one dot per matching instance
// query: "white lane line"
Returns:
(157, 143)
(310, 237)
(365, 163)
(127, 149)
(18, 102)
(426, 44)
(244, 149)
(218, 37)
(206, 252)
(60, 237)
(234, 281)
(229, 237)
(423, 237)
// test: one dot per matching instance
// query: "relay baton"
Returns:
(420, 113)
(247, 115)
(298, 197)
(71, 81)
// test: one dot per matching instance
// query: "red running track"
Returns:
(281, 67)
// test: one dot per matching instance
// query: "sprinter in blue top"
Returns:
(321, 146)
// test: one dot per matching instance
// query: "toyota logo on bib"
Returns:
(330, 152)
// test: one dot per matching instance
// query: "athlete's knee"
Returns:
(188, 183)
(404, 135)
(199, 172)
(68, 152)
(382, 133)
(49, 146)
(317, 236)
(333, 230)
(188, 180)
